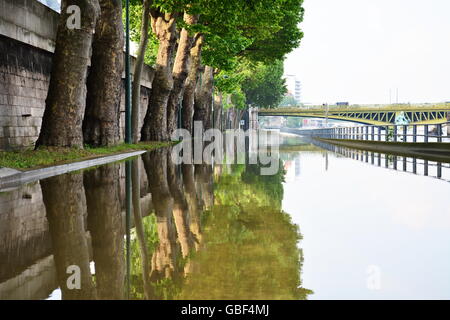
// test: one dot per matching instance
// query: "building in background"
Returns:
(294, 87)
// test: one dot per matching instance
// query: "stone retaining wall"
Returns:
(27, 41)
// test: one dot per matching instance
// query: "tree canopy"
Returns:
(245, 41)
(264, 85)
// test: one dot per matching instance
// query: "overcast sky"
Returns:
(357, 50)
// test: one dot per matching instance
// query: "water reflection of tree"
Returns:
(139, 228)
(65, 204)
(174, 231)
(106, 227)
(229, 238)
(214, 234)
(70, 199)
(180, 208)
(188, 173)
(166, 257)
(163, 261)
(271, 186)
(251, 250)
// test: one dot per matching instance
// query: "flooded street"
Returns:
(325, 226)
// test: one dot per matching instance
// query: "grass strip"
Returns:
(50, 156)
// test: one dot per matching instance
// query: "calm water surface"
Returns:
(327, 226)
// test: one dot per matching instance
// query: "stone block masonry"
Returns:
(29, 21)
(27, 41)
(24, 78)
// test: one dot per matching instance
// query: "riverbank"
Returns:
(51, 156)
(432, 151)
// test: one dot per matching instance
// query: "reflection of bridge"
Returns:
(287, 148)
(404, 163)
(376, 115)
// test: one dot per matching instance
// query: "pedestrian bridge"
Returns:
(373, 115)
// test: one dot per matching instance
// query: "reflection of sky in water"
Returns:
(356, 215)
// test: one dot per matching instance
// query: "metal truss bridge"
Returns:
(373, 115)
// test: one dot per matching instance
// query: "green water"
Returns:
(325, 226)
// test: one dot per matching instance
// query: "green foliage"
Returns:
(135, 32)
(264, 85)
(289, 101)
(228, 81)
(238, 99)
(235, 27)
(270, 185)
(229, 84)
(246, 41)
(249, 245)
(263, 32)
(161, 289)
(240, 23)
(252, 250)
(221, 23)
(286, 39)
(260, 30)
(256, 84)
(151, 239)
(170, 6)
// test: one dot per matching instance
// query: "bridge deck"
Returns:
(374, 115)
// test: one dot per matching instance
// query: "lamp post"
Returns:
(128, 139)
(128, 135)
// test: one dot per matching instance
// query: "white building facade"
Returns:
(294, 86)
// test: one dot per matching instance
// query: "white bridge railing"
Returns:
(389, 133)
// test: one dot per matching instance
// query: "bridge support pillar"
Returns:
(253, 118)
(439, 132)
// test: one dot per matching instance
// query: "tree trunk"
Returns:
(66, 98)
(240, 114)
(204, 181)
(104, 85)
(203, 102)
(218, 109)
(180, 208)
(136, 95)
(236, 118)
(65, 206)
(191, 84)
(106, 226)
(227, 118)
(180, 73)
(164, 257)
(140, 232)
(193, 203)
(155, 122)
